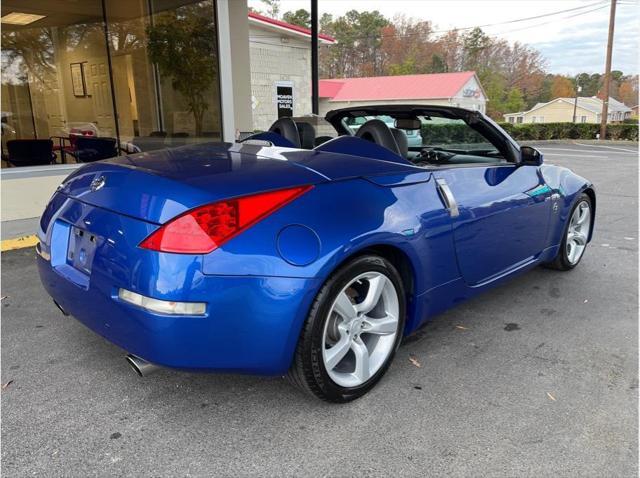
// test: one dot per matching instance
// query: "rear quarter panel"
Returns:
(347, 217)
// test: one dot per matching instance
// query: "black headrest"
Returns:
(286, 128)
(379, 133)
(402, 141)
(307, 135)
(321, 139)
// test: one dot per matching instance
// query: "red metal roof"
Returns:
(289, 26)
(401, 87)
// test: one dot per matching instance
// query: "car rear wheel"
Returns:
(576, 236)
(352, 332)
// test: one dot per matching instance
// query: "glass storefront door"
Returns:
(55, 75)
(153, 85)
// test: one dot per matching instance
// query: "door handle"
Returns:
(448, 198)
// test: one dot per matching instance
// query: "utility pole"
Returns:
(575, 104)
(315, 82)
(607, 72)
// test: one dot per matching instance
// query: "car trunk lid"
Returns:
(160, 185)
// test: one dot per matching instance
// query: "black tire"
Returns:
(561, 261)
(308, 371)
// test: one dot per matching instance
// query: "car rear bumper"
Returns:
(251, 325)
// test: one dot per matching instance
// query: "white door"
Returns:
(100, 91)
(55, 114)
(124, 97)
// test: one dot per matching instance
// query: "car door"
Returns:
(499, 205)
(500, 216)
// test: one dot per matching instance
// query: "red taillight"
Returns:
(206, 228)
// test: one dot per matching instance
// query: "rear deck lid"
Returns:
(158, 186)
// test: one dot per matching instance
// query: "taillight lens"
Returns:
(206, 228)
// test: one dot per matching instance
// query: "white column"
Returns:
(226, 75)
(241, 64)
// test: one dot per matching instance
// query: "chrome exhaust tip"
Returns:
(140, 366)
(64, 312)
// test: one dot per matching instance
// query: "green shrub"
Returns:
(545, 131)
(461, 133)
(449, 133)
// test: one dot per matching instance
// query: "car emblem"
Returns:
(98, 183)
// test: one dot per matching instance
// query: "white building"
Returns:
(280, 60)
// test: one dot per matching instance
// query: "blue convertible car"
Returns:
(305, 255)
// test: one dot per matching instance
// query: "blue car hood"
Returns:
(159, 185)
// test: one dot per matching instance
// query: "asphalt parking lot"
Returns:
(535, 378)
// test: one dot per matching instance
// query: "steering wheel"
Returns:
(434, 155)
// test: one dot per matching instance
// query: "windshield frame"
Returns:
(487, 128)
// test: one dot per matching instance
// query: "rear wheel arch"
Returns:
(400, 259)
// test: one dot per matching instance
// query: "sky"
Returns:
(572, 42)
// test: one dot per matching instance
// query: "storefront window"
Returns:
(165, 72)
(68, 96)
(55, 80)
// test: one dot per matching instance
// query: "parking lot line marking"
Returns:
(608, 147)
(576, 150)
(19, 243)
(567, 155)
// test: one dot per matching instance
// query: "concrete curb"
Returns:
(18, 243)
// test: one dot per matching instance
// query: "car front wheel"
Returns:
(352, 332)
(576, 236)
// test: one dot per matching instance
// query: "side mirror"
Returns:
(530, 156)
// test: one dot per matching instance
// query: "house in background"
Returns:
(462, 89)
(560, 110)
(634, 111)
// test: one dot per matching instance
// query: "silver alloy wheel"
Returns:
(360, 330)
(578, 232)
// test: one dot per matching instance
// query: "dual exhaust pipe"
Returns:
(141, 366)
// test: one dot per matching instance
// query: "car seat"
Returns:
(307, 135)
(376, 131)
(286, 128)
(402, 141)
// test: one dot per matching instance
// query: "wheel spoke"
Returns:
(383, 326)
(344, 307)
(580, 238)
(361, 353)
(376, 286)
(583, 214)
(335, 354)
(580, 215)
(575, 216)
(367, 308)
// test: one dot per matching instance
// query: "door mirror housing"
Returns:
(530, 156)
